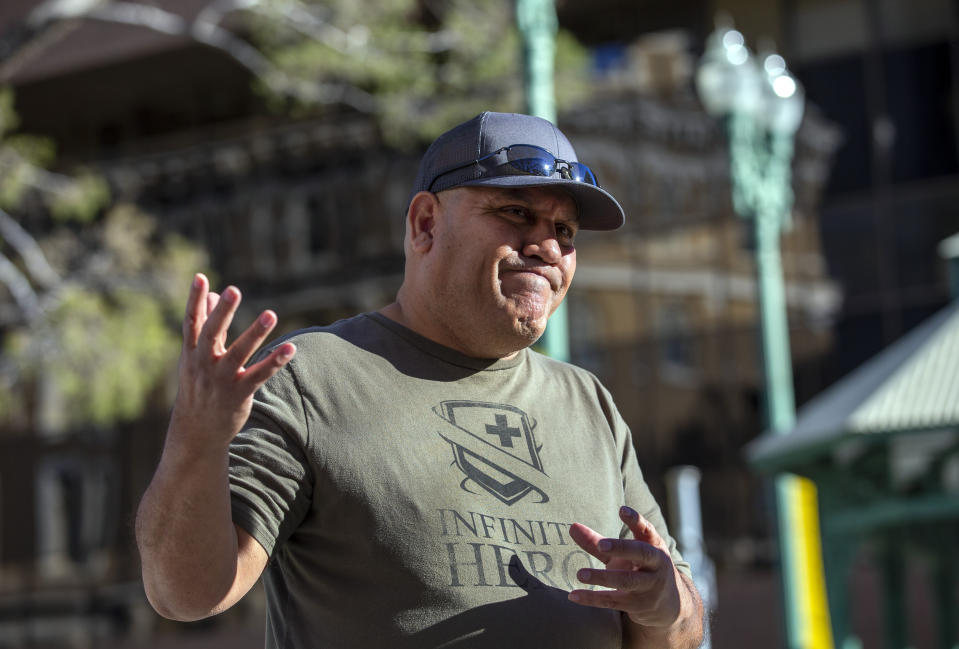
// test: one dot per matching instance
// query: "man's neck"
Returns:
(404, 316)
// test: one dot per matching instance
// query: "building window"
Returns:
(677, 359)
(72, 501)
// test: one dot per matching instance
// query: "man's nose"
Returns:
(543, 244)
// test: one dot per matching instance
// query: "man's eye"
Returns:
(518, 213)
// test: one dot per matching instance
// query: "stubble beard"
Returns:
(528, 314)
(498, 325)
(530, 319)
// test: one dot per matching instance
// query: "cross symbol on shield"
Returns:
(505, 432)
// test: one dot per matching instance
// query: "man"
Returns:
(417, 477)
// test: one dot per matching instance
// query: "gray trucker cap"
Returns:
(446, 164)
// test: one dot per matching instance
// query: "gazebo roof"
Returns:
(912, 385)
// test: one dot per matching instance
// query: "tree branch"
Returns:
(21, 290)
(210, 33)
(38, 178)
(305, 20)
(33, 257)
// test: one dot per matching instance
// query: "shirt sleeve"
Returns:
(271, 480)
(638, 495)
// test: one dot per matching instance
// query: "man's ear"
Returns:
(421, 221)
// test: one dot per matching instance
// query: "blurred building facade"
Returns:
(886, 73)
(306, 216)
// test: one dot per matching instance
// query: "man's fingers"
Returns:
(601, 598)
(607, 549)
(208, 318)
(218, 322)
(636, 578)
(243, 347)
(631, 580)
(588, 540)
(212, 299)
(643, 555)
(196, 310)
(641, 528)
(258, 374)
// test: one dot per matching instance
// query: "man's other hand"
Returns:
(640, 580)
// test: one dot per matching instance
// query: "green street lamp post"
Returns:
(538, 24)
(762, 109)
(762, 115)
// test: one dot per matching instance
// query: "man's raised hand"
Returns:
(195, 560)
(215, 388)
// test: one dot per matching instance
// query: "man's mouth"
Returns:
(550, 274)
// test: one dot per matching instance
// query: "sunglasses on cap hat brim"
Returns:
(523, 160)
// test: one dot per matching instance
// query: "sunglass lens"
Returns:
(534, 166)
(582, 173)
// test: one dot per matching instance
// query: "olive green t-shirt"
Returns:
(410, 496)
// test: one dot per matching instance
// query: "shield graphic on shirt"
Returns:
(493, 445)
